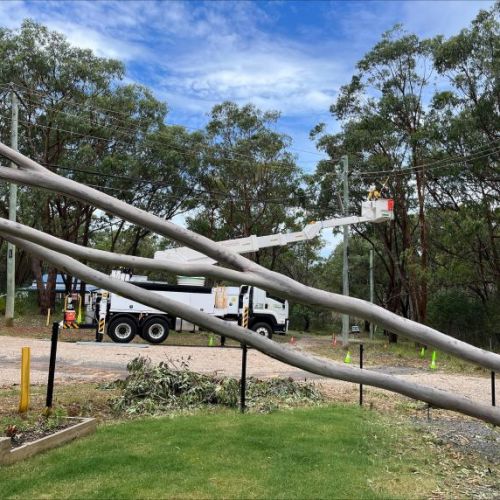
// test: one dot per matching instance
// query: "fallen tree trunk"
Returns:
(249, 271)
(435, 397)
(243, 271)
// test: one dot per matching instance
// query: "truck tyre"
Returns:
(155, 330)
(122, 330)
(263, 329)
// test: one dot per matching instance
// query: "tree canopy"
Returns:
(419, 118)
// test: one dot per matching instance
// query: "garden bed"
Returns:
(20, 446)
(36, 430)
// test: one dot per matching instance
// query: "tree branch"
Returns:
(281, 285)
(437, 398)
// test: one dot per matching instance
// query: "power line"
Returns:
(200, 199)
(222, 194)
(107, 110)
(403, 171)
(216, 195)
(184, 152)
(444, 163)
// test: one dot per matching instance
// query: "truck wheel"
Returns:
(263, 329)
(155, 330)
(122, 330)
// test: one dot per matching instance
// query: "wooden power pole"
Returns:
(345, 266)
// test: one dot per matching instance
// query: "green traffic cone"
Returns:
(347, 358)
(422, 352)
(433, 360)
(211, 341)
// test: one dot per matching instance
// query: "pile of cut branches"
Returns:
(152, 389)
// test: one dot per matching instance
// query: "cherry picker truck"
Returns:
(122, 319)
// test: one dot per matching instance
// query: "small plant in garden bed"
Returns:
(31, 427)
(150, 389)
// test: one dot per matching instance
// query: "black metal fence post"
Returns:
(52, 364)
(493, 395)
(361, 366)
(243, 382)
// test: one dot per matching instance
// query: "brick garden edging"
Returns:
(9, 455)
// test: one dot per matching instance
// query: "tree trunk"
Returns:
(46, 292)
(33, 174)
(307, 322)
(435, 397)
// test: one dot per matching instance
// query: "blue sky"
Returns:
(286, 55)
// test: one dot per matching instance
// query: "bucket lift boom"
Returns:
(375, 211)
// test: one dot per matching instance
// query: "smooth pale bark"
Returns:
(116, 259)
(435, 397)
(36, 175)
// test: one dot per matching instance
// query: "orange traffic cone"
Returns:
(293, 341)
(334, 341)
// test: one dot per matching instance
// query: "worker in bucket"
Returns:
(373, 193)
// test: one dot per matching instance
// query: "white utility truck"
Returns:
(126, 318)
(267, 314)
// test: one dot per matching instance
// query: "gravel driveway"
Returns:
(88, 361)
(92, 361)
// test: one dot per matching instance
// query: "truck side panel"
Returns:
(202, 301)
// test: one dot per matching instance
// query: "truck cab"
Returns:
(267, 309)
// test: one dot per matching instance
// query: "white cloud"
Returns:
(195, 55)
(100, 44)
(272, 73)
(85, 25)
(440, 17)
(12, 14)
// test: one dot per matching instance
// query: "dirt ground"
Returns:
(89, 361)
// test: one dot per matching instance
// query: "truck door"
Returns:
(244, 303)
(244, 299)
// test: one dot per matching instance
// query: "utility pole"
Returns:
(11, 249)
(372, 289)
(345, 266)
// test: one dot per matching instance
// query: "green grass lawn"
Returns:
(328, 452)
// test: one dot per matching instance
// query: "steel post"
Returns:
(52, 364)
(243, 382)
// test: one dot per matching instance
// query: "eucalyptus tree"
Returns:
(384, 129)
(464, 189)
(79, 121)
(250, 178)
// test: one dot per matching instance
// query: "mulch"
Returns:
(39, 430)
